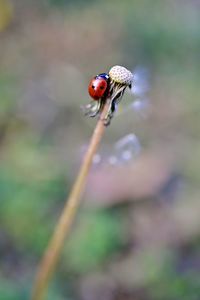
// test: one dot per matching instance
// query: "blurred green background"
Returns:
(137, 234)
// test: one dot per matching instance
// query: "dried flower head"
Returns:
(117, 80)
(121, 75)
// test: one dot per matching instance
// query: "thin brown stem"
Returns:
(52, 254)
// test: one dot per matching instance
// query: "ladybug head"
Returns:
(103, 75)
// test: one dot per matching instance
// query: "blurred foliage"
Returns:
(96, 238)
(9, 291)
(6, 14)
(158, 42)
(29, 205)
(48, 51)
(174, 285)
(8, 87)
(62, 3)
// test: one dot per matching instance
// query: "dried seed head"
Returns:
(121, 75)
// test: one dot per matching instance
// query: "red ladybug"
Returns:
(98, 86)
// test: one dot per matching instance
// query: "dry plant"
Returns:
(119, 78)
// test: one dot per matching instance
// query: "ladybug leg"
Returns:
(92, 109)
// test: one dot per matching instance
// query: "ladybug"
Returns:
(99, 86)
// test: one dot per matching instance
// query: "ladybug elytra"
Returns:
(98, 86)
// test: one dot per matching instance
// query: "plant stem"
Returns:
(52, 254)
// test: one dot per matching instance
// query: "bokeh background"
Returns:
(137, 234)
